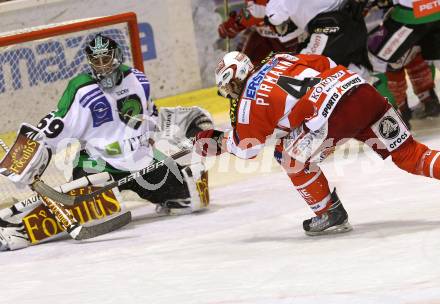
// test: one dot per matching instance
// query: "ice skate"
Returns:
(335, 220)
(432, 105)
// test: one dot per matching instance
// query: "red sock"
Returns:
(313, 187)
(397, 86)
(420, 75)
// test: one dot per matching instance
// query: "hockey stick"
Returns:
(85, 232)
(4, 146)
(78, 231)
(33, 201)
(55, 201)
(226, 9)
(47, 191)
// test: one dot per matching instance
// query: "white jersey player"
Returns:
(336, 28)
(110, 113)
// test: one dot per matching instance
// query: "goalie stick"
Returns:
(67, 221)
(55, 201)
(80, 232)
(47, 191)
(74, 228)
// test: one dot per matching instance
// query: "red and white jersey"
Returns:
(285, 93)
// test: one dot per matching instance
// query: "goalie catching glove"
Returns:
(27, 158)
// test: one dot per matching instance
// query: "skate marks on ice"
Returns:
(370, 230)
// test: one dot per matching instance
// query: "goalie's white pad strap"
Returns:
(13, 238)
(391, 130)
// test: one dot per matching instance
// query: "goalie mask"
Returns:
(104, 56)
(231, 73)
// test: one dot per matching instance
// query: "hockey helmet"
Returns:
(231, 72)
(104, 56)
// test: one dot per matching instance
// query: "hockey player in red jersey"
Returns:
(311, 105)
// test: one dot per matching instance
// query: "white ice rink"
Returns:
(250, 248)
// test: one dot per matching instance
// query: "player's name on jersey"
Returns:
(40, 224)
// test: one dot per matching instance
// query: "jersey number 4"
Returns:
(297, 87)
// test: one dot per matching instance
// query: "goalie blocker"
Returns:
(27, 158)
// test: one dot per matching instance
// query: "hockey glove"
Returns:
(209, 142)
(231, 27)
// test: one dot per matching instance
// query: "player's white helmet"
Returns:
(231, 73)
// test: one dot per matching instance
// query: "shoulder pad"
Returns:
(69, 94)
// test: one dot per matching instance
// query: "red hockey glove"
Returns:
(231, 27)
(209, 142)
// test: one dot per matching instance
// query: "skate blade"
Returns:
(343, 228)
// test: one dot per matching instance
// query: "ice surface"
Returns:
(250, 247)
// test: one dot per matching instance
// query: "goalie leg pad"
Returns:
(196, 180)
(13, 238)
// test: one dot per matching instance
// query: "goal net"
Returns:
(37, 63)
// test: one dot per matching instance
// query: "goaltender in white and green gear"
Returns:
(110, 113)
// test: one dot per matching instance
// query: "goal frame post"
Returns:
(85, 24)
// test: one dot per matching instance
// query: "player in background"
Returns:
(259, 38)
(111, 114)
(402, 42)
(336, 29)
(309, 104)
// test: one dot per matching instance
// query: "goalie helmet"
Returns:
(231, 73)
(104, 56)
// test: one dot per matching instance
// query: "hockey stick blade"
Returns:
(68, 221)
(105, 227)
(45, 190)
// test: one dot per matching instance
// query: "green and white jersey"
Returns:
(406, 3)
(112, 125)
(403, 13)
